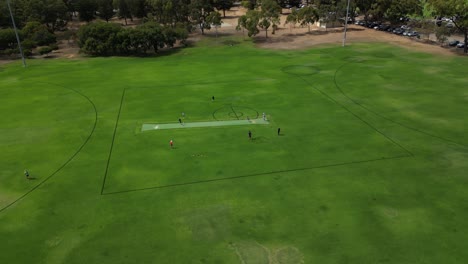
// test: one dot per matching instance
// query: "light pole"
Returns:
(16, 33)
(346, 24)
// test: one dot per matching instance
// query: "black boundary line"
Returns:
(71, 158)
(234, 111)
(256, 174)
(112, 143)
(358, 117)
(386, 118)
(409, 153)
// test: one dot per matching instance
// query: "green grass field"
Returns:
(370, 166)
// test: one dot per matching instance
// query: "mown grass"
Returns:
(370, 167)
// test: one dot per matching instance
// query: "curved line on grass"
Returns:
(387, 118)
(231, 106)
(71, 158)
(358, 117)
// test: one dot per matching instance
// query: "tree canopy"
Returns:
(457, 10)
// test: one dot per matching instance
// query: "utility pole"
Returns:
(346, 24)
(16, 33)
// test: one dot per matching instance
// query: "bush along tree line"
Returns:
(106, 39)
(165, 22)
(32, 35)
(172, 16)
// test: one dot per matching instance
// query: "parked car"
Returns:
(384, 27)
(398, 31)
(461, 45)
(373, 24)
(453, 43)
(360, 22)
(413, 34)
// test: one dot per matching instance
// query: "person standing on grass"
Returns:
(264, 116)
(171, 143)
(279, 130)
(180, 121)
(183, 114)
(212, 98)
(250, 135)
(26, 173)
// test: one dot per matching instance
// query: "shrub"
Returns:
(38, 33)
(45, 50)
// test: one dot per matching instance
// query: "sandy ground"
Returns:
(291, 37)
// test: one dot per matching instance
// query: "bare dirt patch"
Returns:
(288, 37)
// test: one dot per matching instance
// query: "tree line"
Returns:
(265, 14)
(167, 20)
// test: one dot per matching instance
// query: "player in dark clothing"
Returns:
(26, 173)
(212, 98)
(279, 130)
(250, 134)
(180, 121)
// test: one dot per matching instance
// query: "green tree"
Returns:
(224, 5)
(124, 10)
(45, 50)
(365, 6)
(249, 4)
(55, 15)
(4, 16)
(87, 10)
(269, 15)
(402, 8)
(250, 21)
(307, 16)
(72, 6)
(330, 10)
(457, 10)
(214, 18)
(98, 38)
(154, 35)
(442, 34)
(200, 10)
(292, 18)
(105, 9)
(7, 39)
(428, 11)
(138, 8)
(171, 12)
(38, 34)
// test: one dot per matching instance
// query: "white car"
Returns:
(461, 45)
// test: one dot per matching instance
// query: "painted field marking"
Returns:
(258, 121)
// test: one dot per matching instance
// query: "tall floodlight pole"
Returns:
(346, 24)
(16, 33)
